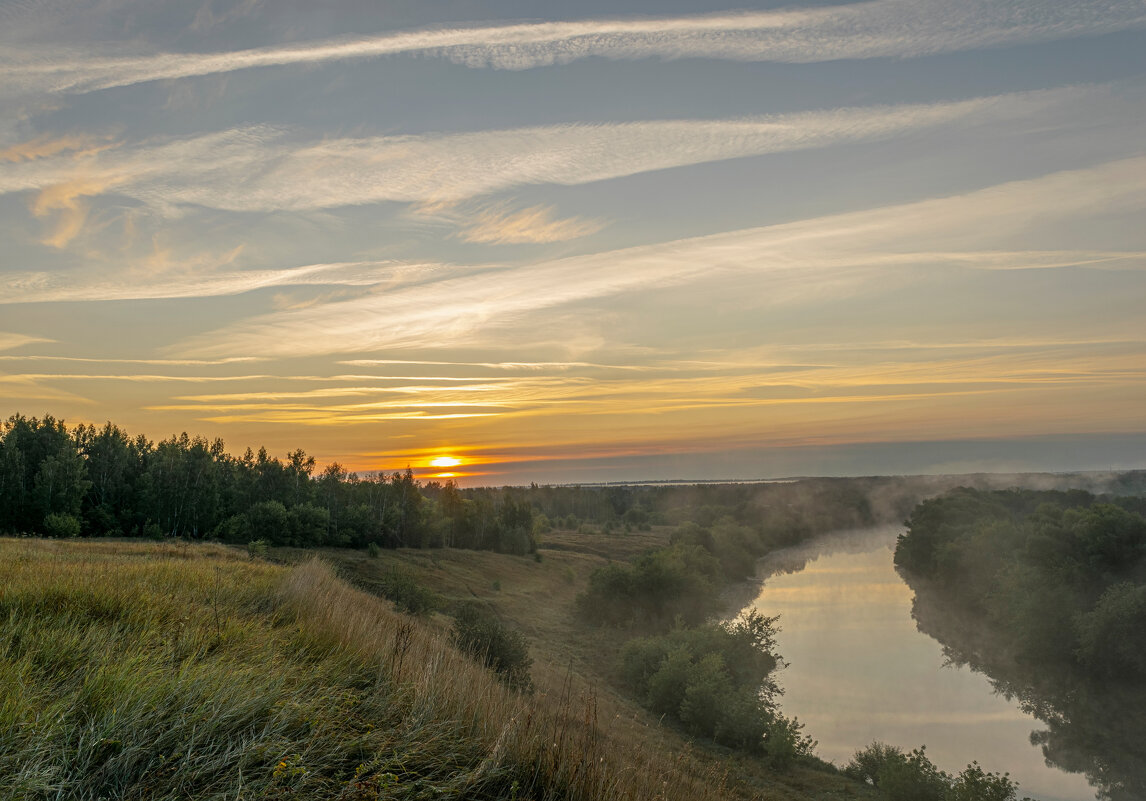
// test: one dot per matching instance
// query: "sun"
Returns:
(445, 461)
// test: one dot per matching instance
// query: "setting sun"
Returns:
(445, 461)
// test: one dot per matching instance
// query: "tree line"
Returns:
(1060, 575)
(101, 481)
(89, 480)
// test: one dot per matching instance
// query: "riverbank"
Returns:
(860, 670)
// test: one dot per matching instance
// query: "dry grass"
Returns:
(131, 671)
(569, 658)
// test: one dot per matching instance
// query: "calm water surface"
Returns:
(860, 671)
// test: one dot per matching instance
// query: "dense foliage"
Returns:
(1061, 575)
(658, 587)
(715, 543)
(1045, 592)
(717, 681)
(503, 650)
(913, 777)
(101, 481)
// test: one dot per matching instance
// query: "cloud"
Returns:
(25, 388)
(527, 366)
(43, 147)
(207, 19)
(132, 377)
(262, 169)
(67, 199)
(826, 398)
(823, 257)
(535, 224)
(87, 360)
(873, 29)
(44, 287)
(10, 341)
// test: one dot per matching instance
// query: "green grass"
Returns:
(142, 671)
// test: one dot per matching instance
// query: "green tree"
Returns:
(41, 473)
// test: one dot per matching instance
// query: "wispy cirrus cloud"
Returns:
(873, 29)
(78, 286)
(45, 146)
(9, 341)
(828, 256)
(536, 224)
(26, 388)
(862, 382)
(263, 169)
(90, 360)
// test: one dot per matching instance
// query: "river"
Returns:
(859, 670)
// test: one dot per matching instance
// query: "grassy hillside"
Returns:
(132, 670)
(537, 598)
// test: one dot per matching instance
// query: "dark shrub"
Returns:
(61, 525)
(503, 650)
(407, 594)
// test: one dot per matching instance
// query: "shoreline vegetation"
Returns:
(207, 626)
(1045, 594)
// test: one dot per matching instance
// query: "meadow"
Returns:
(134, 670)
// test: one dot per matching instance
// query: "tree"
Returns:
(115, 464)
(41, 473)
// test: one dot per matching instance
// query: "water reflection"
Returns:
(860, 670)
(1093, 727)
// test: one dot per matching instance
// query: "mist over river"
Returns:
(859, 670)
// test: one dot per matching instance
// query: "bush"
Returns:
(407, 594)
(269, 521)
(61, 525)
(974, 784)
(914, 777)
(516, 540)
(655, 590)
(373, 550)
(257, 549)
(666, 687)
(233, 529)
(716, 680)
(501, 649)
(708, 689)
(309, 524)
(867, 763)
(784, 742)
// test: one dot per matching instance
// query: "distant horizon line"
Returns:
(794, 479)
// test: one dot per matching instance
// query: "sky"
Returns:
(583, 242)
